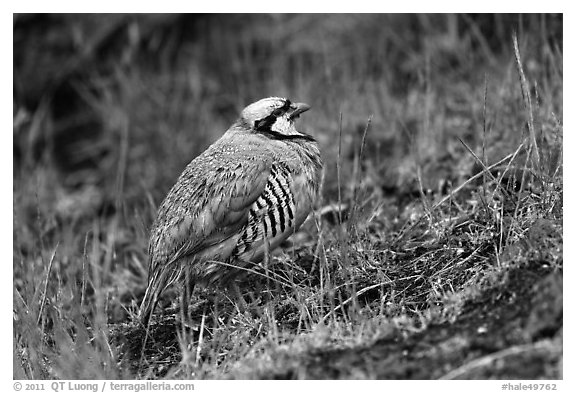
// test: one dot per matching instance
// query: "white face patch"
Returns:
(284, 126)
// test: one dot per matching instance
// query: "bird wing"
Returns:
(187, 226)
(223, 216)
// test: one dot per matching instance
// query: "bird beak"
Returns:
(300, 108)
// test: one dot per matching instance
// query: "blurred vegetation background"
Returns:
(109, 108)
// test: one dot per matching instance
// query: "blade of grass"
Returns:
(43, 301)
(338, 170)
(354, 208)
(351, 298)
(527, 102)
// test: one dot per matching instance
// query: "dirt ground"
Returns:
(511, 331)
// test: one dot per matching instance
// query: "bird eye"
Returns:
(265, 123)
(283, 109)
(258, 124)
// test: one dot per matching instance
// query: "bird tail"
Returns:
(148, 304)
(156, 284)
(158, 280)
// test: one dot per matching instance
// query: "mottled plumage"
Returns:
(256, 184)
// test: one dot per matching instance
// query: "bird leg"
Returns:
(241, 304)
(186, 295)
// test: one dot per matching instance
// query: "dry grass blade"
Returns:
(423, 198)
(484, 127)
(484, 172)
(354, 212)
(43, 301)
(280, 280)
(200, 340)
(338, 169)
(354, 296)
(527, 102)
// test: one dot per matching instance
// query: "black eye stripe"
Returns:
(266, 123)
(283, 109)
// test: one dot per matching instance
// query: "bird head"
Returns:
(274, 117)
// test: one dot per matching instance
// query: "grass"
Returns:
(436, 251)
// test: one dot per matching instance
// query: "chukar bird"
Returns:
(239, 199)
